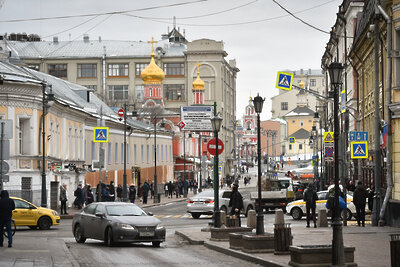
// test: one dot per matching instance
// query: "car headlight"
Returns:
(55, 213)
(159, 227)
(126, 226)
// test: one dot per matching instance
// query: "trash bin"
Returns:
(157, 198)
(283, 237)
(395, 250)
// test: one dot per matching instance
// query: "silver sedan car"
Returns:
(115, 222)
(203, 203)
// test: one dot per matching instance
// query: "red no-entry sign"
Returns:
(121, 112)
(212, 146)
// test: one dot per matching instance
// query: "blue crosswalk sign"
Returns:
(292, 140)
(359, 150)
(284, 81)
(100, 134)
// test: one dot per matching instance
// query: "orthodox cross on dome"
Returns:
(152, 42)
(198, 67)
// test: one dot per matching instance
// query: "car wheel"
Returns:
(346, 213)
(249, 208)
(79, 238)
(224, 209)
(156, 244)
(33, 227)
(44, 223)
(296, 213)
(109, 237)
(196, 215)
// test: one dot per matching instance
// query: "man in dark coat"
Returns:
(359, 199)
(132, 193)
(310, 197)
(78, 197)
(236, 202)
(112, 191)
(145, 190)
(6, 207)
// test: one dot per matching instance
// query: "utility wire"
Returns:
(293, 15)
(74, 27)
(229, 24)
(105, 13)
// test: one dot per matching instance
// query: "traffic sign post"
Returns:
(197, 118)
(121, 112)
(358, 136)
(212, 146)
(100, 134)
(328, 137)
(284, 81)
(343, 102)
(181, 124)
(292, 140)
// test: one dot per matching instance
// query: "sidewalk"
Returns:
(372, 244)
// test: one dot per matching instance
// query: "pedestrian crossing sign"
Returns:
(292, 140)
(328, 137)
(100, 134)
(284, 81)
(359, 150)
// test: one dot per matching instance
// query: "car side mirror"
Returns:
(150, 213)
(99, 214)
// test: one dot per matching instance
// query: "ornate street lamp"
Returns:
(258, 102)
(335, 73)
(47, 102)
(156, 198)
(216, 125)
(125, 185)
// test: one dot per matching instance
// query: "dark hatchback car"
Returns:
(115, 222)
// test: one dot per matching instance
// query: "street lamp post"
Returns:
(216, 125)
(125, 186)
(335, 72)
(258, 102)
(316, 174)
(156, 198)
(47, 102)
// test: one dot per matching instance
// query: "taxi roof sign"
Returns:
(100, 134)
(284, 81)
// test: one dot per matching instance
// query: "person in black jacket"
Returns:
(310, 197)
(6, 207)
(236, 202)
(360, 199)
(132, 193)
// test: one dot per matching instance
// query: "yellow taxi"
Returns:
(27, 214)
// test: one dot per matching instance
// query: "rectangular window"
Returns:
(157, 153)
(313, 82)
(142, 152)
(174, 69)
(174, 92)
(162, 152)
(34, 66)
(148, 154)
(122, 153)
(87, 70)
(290, 146)
(139, 91)
(152, 149)
(170, 153)
(117, 92)
(301, 123)
(284, 105)
(139, 67)
(134, 154)
(116, 152)
(58, 70)
(118, 70)
(24, 136)
(127, 154)
(109, 153)
(93, 151)
(300, 146)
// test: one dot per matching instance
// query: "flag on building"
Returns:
(384, 135)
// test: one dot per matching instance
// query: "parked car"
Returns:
(297, 208)
(203, 203)
(27, 214)
(115, 222)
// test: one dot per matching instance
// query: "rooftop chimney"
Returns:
(86, 38)
(55, 39)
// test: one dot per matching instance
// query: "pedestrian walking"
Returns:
(236, 202)
(132, 193)
(119, 193)
(89, 194)
(6, 207)
(63, 198)
(371, 195)
(359, 199)
(145, 191)
(310, 197)
(112, 191)
(166, 189)
(170, 189)
(78, 197)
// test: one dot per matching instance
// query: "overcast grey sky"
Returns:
(260, 48)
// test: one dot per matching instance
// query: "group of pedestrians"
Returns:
(360, 197)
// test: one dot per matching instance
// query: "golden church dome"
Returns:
(302, 84)
(198, 84)
(152, 74)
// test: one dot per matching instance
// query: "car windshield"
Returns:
(125, 210)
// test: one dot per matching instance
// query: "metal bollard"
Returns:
(223, 217)
(395, 250)
(283, 238)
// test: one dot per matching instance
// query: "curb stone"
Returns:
(188, 238)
